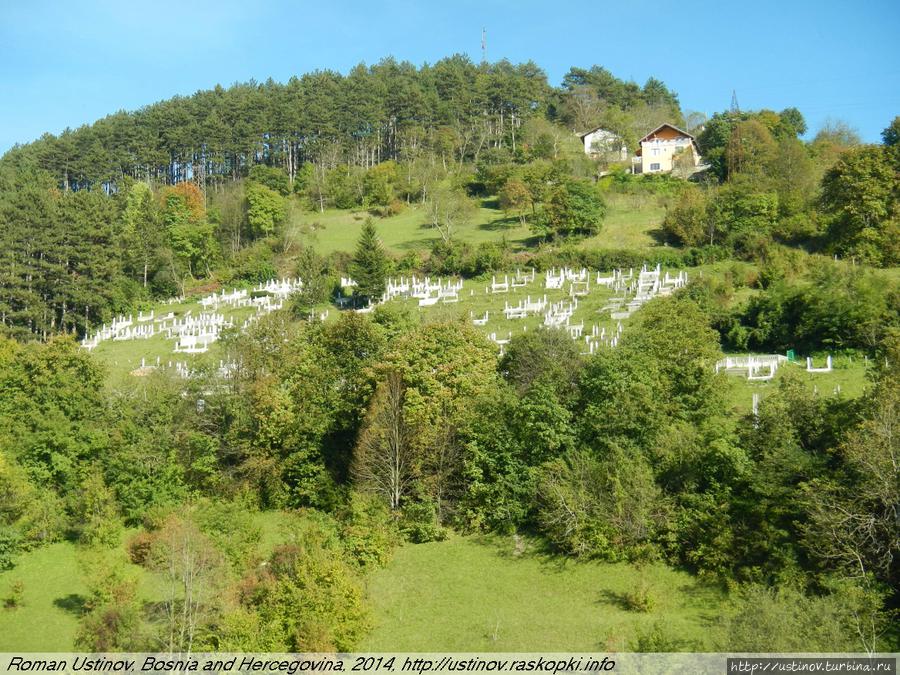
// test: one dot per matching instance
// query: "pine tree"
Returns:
(370, 263)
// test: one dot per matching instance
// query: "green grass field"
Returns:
(473, 594)
(52, 593)
(337, 230)
(631, 222)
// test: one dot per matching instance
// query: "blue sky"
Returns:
(66, 64)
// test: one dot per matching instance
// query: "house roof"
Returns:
(674, 128)
(663, 126)
(587, 133)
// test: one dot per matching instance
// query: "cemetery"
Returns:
(589, 305)
(593, 307)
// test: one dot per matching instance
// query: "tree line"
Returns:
(832, 194)
(454, 109)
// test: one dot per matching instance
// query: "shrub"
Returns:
(139, 547)
(655, 640)
(16, 594)
(10, 543)
(641, 598)
(369, 532)
(419, 523)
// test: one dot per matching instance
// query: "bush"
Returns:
(786, 620)
(641, 599)
(462, 259)
(139, 547)
(369, 532)
(394, 208)
(16, 594)
(655, 640)
(252, 264)
(10, 543)
(419, 523)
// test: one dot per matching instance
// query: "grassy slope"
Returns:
(473, 594)
(336, 230)
(467, 594)
(630, 223)
(48, 617)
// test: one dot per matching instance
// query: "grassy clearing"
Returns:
(52, 597)
(473, 594)
(632, 221)
(338, 230)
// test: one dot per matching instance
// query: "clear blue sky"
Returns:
(66, 64)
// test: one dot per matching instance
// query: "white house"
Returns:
(659, 147)
(600, 141)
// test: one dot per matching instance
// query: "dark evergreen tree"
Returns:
(370, 264)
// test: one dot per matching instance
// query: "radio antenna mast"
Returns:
(483, 45)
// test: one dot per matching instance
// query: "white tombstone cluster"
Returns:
(598, 336)
(559, 313)
(617, 281)
(754, 366)
(194, 334)
(426, 290)
(499, 286)
(144, 327)
(501, 341)
(226, 369)
(649, 284)
(480, 321)
(524, 308)
(521, 280)
(555, 279)
(763, 366)
(636, 288)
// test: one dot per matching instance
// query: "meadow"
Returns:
(473, 594)
(498, 594)
(631, 221)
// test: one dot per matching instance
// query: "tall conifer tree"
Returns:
(370, 263)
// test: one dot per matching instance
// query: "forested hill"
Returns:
(455, 109)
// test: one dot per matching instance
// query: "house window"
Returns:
(655, 151)
(654, 166)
